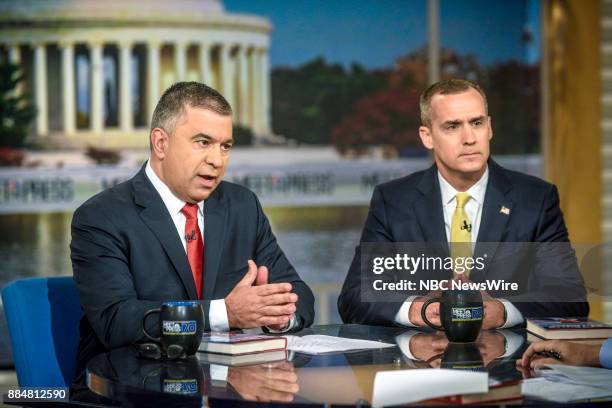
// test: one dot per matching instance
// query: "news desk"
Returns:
(315, 380)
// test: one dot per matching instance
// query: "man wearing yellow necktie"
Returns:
(463, 200)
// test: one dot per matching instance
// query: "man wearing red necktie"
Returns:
(177, 231)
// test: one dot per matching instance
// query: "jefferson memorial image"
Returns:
(96, 69)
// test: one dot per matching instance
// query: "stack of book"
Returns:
(239, 349)
(572, 328)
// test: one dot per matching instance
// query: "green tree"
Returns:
(309, 101)
(16, 111)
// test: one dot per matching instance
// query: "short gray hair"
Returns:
(446, 87)
(171, 105)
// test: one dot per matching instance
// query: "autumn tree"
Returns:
(389, 118)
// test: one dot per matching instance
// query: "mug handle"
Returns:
(144, 328)
(424, 315)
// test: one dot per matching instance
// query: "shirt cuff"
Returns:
(403, 342)
(513, 316)
(513, 342)
(401, 317)
(291, 325)
(217, 315)
(605, 354)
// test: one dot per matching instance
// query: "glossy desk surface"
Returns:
(339, 378)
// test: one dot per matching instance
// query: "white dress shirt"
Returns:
(217, 313)
(473, 208)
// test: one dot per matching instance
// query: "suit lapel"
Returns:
(494, 215)
(155, 216)
(215, 215)
(429, 210)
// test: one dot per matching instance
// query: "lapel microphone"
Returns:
(466, 226)
(191, 236)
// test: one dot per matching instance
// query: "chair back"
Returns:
(43, 317)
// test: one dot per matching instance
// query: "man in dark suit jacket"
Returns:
(133, 247)
(502, 207)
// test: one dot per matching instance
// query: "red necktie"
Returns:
(195, 246)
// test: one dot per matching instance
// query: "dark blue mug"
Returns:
(181, 325)
(461, 314)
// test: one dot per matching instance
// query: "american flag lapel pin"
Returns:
(504, 210)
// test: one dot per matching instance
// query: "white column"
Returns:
(253, 84)
(205, 67)
(15, 59)
(14, 54)
(152, 76)
(97, 88)
(243, 91)
(40, 83)
(126, 118)
(227, 86)
(68, 87)
(256, 72)
(265, 81)
(180, 60)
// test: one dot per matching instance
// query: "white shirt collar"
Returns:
(172, 202)
(476, 192)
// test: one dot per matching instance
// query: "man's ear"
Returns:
(159, 143)
(490, 128)
(425, 134)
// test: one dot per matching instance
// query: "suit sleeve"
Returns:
(556, 287)
(269, 253)
(100, 263)
(605, 354)
(351, 306)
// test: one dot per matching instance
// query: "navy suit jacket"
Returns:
(409, 209)
(127, 258)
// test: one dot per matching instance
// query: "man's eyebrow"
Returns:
(452, 122)
(211, 138)
(481, 117)
(202, 135)
(459, 121)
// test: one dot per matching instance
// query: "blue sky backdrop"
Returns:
(375, 33)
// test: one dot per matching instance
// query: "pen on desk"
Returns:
(550, 353)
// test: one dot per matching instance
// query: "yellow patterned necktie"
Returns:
(461, 231)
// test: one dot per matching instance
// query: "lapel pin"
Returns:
(504, 210)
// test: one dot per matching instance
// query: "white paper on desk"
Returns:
(406, 386)
(561, 391)
(592, 376)
(318, 344)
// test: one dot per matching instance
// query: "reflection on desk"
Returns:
(338, 378)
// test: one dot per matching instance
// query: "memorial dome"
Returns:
(108, 10)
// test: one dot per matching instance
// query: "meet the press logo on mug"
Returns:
(172, 327)
(466, 314)
(187, 386)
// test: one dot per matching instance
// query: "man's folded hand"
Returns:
(254, 305)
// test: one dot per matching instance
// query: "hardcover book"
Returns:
(568, 328)
(237, 343)
(243, 359)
